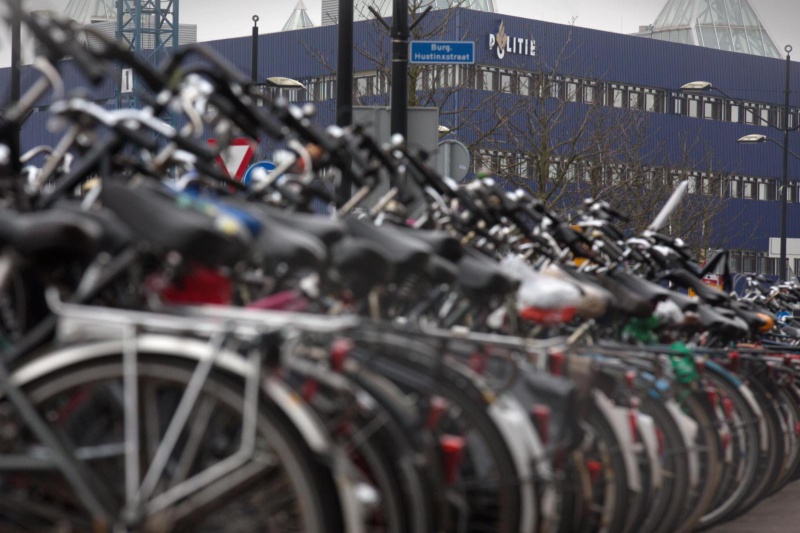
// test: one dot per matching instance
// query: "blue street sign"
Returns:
(266, 166)
(442, 52)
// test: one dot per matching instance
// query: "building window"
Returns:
(765, 116)
(733, 113)
(555, 88)
(766, 191)
(487, 78)
(524, 85)
(572, 91)
(748, 263)
(694, 108)
(750, 115)
(747, 190)
(616, 97)
(711, 109)
(507, 83)
(735, 188)
(679, 106)
(654, 102)
(588, 94)
(634, 100)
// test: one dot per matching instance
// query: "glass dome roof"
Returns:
(730, 25)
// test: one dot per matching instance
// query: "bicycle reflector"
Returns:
(594, 468)
(727, 408)
(452, 447)
(541, 420)
(436, 410)
(633, 422)
(557, 363)
(734, 361)
(340, 351)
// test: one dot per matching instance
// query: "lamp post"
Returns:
(751, 139)
(758, 138)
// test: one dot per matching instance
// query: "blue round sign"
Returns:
(266, 166)
(784, 315)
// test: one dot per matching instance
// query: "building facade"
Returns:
(522, 64)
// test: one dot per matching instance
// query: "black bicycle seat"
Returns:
(719, 324)
(478, 273)
(115, 234)
(360, 264)
(687, 280)
(155, 219)
(278, 244)
(626, 300)
(441, 242)
(57, 232)
(684, 302)
(439, 270)
(652, 292)
(326, 230)
(407, 255)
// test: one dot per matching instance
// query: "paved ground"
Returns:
(778, 514)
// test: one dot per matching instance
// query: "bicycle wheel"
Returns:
(772, 455)
(285, 486)
(739, 473)
(608, 508)
(485, 495)
(708, 445)
(669, 500)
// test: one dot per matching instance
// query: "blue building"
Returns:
(528, 70)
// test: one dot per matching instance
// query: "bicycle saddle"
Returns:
(115, 234)
(407, 255)
(326, 230)
(626, 300)
(155, 219)
(477, 272)
(687, 280)
(648, 290)
(685, 302)
(278, 243)
(441, 242)
(439, 270)
(360, 264)
(58, 232)
(719, 324)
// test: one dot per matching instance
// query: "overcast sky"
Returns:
(218, 19)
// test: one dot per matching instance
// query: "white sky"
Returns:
(218, 19)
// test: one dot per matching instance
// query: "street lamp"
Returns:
(697, 86)
(280, 83)
(756, 138)
(753, 138)
(285, 83)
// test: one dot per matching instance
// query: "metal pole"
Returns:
(785, 177)
(344, 85)
(16, 88)
(254, 54)
(400, 36)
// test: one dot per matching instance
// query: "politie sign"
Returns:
(442, 52)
